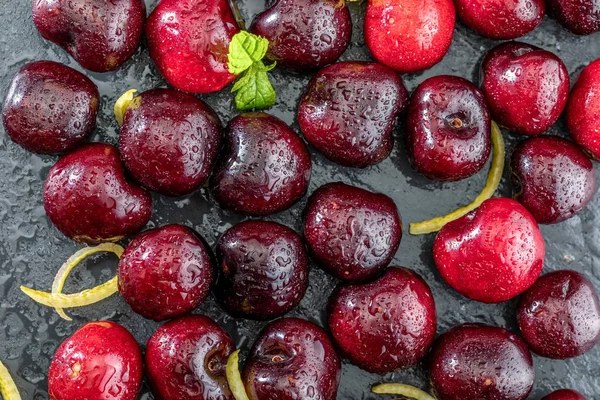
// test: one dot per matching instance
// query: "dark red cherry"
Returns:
(100, 35)
(559, 316)
(352, 233)
(169, 141)
(165, 272)
(186, 358)
(349, 111)
(292, 359)
(564, 394)
(386, 324)
(263, 270)
(552, 178)
(264, 166)
(526, 87)
(581, 17)
(448, 129)
(87, 197)
(50, 108)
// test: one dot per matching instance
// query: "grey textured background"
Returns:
(31, 249)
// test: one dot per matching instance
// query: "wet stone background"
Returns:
(31, 249)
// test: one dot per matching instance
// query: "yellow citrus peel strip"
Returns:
(122, 104)
(234, 378)
(8, 389)
(402, 390)
(87, 297)
(493, 181)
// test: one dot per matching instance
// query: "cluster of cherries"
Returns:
(382, 319)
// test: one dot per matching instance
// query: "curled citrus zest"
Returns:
(493, 181)
(402, 390)
(122, 104)
(234, 379)
(73, 261)
(8, 389)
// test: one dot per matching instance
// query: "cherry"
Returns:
(189, 41)
(351, 232)
(186, 358)
(264, 270)
(409, 35)
(349, 111)
(305, 34)
(293, 359)
(476, 361)
(564, 394)
(100, 35)
(559, 316)
(165, 272)
(526, 87)
(264, 166)
(169, 141)
(501, 19)
(448, 129)
(87, 197)
(392, 317)
(581, 17)
(583, 111)
(552, 178)
(101, 360)
(491, 254)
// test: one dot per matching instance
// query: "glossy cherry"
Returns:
(50, 108)
(101, 360)
(491, 254)
(293, 359)
(526, 87)
(581, 17)
(583, 111)
(305, 34)
(349, 110)
(559, 316)
(186, 358)
(100, 35)
(448, 129)
(392, 317)
(352, 233)
(552, 178)
(263, 270)
(475, 361)
(409, 35)
(264, 166)
(169, 141)
(564, 394)
(189, 41)
(165, 272)
(87, 197)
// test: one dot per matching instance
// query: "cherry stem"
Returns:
(402, 390)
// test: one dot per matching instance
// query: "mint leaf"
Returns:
(254, 90)
(245, 49)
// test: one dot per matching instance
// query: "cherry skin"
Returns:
(582, 17)
(305, 35)
(293, 359)
(165, 272)
(264, 166)
(476, 361)
(448, 129)
(352, 233)
(552, 178)
(188, 40)
(186, 358)
(492, 254)
(100, 35)
(263, 270)
(501, 19)
(169, 141)
(559, 316)
(583, 111)
(349, 111)
(101, 360)
(409, 35)
(564, 394)
(526, 87)
(87, 197)
(393, 317)
(50, 108)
